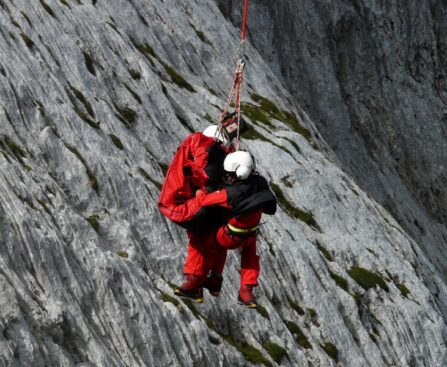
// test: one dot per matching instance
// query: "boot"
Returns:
(246, 296)
(191, 288)
(213, 283)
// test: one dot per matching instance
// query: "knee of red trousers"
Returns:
(204, 255)
(228, 240)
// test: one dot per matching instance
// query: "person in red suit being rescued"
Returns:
(247, 197)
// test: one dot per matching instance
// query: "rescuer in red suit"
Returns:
(197, 163)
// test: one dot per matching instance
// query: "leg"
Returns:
(198, 263)
(249, 263)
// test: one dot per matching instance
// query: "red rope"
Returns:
(235, 92)
(244, 20)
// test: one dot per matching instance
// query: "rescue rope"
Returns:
(235, 93)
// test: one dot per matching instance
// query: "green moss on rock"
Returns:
(404, 291)
(324, 251)
(331, 350)
(83, 100)
(167, 298)
(123, 253)
(366, 278)
(262, 311)
(126, 115)
(276, 351)
(340, 281)
(296, 307)
(293, 211)
(177, 78)
(188, 303)
(116, 141)
(300, 338)
(85, 117)
(250, 353)
(93, 220)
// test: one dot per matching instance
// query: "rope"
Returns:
(235, 92)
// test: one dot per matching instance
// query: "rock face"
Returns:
(373, 78)
(95, 97)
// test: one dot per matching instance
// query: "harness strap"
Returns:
(241, 230)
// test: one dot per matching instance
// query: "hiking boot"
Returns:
(246, 296)
(191, 288)
(213, 283)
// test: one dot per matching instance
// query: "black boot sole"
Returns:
(194, 298)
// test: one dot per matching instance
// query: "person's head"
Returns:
(239, 164)
(212, 131)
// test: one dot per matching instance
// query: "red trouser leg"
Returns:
(249, 263)
(219, 263)
(204, 254)
(249, 260)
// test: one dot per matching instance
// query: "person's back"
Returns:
(195, 165)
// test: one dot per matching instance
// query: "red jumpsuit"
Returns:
(209, 251)
(186, 174)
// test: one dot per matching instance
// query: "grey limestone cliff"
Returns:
(95, 96)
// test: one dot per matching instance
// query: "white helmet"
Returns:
(212, 132)
(240, 162)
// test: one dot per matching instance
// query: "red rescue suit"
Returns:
(198, 159)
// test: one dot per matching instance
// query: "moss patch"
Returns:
(123, 253)
(250, 353)
(296, 307)
(93, 220)
(340, 281)
(300, 338)
(293, 211)
(266, 110)
(83, 100)
(404, 291)
(188, 303)
(331, 350)
(324, 251)
(367, 279)
(262, 311)
(167, 298)
(116, 141)
(145, 49)
(276, 351)
(177, 78)
(126, 115)
(85, 117)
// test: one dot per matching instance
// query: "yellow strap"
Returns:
(241, 230)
